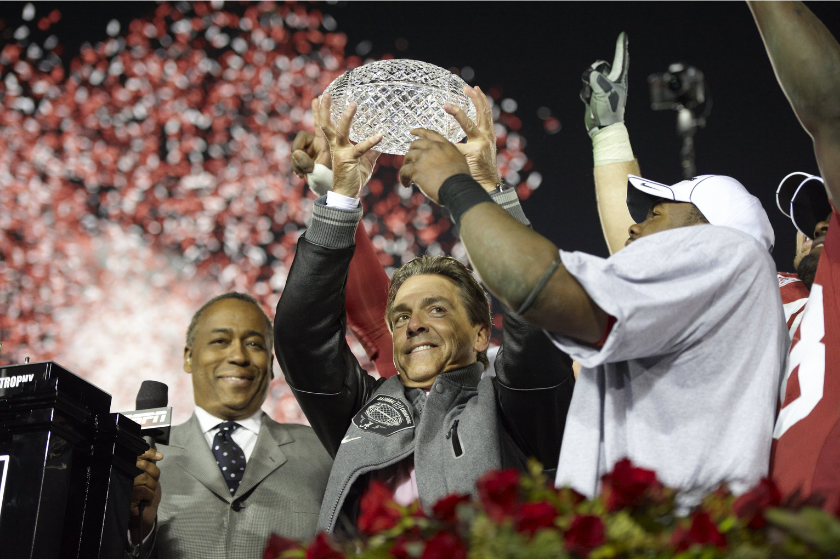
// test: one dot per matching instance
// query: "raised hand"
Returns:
(309, 149)
(352, 165)
(480, 149)
(430, 161)
(605, 89)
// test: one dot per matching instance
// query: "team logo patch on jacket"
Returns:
(384, 415)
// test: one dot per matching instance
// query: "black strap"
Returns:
(459, 193)
(532, 297)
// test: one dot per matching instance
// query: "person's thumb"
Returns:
(303, 161)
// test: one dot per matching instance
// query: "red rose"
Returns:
(750, 506)
(585, 534)
(377, 509)
(446, 508)
(628, 486)
(444, 545)
(703, 531)
(411, 536)
(532, 517)
(321, 548)
(399, 549)
(680, 539)
(277, 545)
(499, 493)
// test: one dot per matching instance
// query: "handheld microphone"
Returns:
(153, 414)
(155, 419)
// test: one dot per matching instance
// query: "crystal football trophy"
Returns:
(394, 96)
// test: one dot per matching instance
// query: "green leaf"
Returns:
(812, 525)
(625, 533)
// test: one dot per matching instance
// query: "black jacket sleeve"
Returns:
(309, 339)
(534, 383)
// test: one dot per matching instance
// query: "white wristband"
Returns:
(320, 181)
(611, 145)
(335, 200)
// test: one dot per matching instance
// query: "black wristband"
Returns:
(459, 193)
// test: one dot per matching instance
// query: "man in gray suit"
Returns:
(230, 475)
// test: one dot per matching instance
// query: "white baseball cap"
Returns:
(722, 200)
(802, 198)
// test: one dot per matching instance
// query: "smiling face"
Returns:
(665, 215)
(229, 360)
(432, 331)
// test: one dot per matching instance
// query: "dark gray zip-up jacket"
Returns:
(465, 427)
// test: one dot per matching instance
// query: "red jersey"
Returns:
(794, 297)
(807, 448)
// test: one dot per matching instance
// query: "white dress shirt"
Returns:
(245, 436)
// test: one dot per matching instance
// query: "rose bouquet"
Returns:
(523, 516)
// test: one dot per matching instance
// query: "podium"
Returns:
(67, 466)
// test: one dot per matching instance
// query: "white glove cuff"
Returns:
(335, 200)
(320, 181)
(612, 145)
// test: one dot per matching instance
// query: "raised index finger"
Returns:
(467, 125)
(483, 111)
(343, 127)
(316, 112)
(621, 61)
(324, 105)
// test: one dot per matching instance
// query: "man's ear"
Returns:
(187, 359)
(482, 338)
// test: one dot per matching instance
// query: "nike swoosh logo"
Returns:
(346, 439)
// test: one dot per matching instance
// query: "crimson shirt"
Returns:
(806, 454)
(794, 297)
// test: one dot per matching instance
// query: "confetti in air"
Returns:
(150, 171)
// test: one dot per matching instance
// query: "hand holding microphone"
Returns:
(154, 417)
(145, 495)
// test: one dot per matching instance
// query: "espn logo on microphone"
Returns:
(152, 417)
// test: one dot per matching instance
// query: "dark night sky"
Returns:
(537, 51)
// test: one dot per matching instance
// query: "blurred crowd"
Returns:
(159, 158)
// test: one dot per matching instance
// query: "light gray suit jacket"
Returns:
(281, 492)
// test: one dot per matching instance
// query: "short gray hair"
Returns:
(269, 329)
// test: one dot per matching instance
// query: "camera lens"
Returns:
(674, 83)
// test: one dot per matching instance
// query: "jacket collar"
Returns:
(467, 376)
(209, 422)
(191, 451)
(267, 456)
